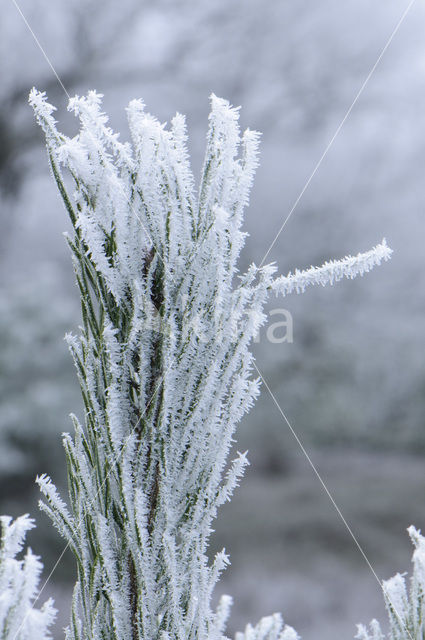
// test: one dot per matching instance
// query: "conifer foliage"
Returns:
(164, 364)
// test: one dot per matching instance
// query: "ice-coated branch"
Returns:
(19, 580)
(332, 271)
(405, 606)
(164, 363)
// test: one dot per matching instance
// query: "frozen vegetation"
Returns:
(406, 608)
(164, 366)
(354, 377)
(20, 619)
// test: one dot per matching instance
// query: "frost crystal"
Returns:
(164, 365)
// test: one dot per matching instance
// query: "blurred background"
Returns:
(352, 383)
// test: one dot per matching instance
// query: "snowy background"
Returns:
(353, 382)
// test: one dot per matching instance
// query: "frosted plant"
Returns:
(269, 628)
(164, 364)
(19, 579)
(406, 608)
